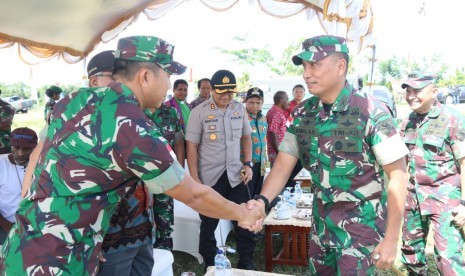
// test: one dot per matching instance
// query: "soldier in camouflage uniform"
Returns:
(53, 93)
(345, 139)
(7, 112)
(98, 146)
(167, 121)
(435, 136)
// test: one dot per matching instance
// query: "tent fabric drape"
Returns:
(71, 29)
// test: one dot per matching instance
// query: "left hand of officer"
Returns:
(247, 174)
(384, 254)
(458, 214)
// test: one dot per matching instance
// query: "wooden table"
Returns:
(295, 234)
(304, 177)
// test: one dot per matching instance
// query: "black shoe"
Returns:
(246, 266)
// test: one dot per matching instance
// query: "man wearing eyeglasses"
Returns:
(99, 69)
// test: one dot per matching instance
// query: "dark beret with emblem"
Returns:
(224, 81)
(254, 92)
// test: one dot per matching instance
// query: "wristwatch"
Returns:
(248, 164)
(264, 199)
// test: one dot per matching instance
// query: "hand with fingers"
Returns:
(246, 174)
(384, 254)
(253, 217)
(458, 215)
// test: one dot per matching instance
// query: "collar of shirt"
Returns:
(259, 115)
(341, 103)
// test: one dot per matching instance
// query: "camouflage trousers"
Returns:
(330, 261)
(448, 243)
(163, 216)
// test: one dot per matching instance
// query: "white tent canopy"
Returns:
(71, 29)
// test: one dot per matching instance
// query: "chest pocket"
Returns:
(212, 134)
(346, 157)
(410, 141)
(236, 126)
(434, 147)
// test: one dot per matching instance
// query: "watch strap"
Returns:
(264, 199)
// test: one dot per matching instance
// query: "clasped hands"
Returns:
(254, 214)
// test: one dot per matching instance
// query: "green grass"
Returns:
(34, 119)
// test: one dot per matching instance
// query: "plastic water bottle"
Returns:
(227, 267)
(220, 263)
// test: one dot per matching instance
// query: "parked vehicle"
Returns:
(383, 94)
(21, 105)
(446, 94)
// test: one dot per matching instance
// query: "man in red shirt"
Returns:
(298, 92)
(276, 118)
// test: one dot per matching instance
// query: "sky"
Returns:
(409, 28)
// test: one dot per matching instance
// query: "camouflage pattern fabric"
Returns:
(343, 150)
(7, 112)
(259, 128)
(167, 121)
(98, 146)
(319, 47)
(49, 107)
(436, 143)
(149, 49)
(196, 102)
(340, 261)
(163, 208)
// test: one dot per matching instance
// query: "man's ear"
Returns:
(93, 81)
(142, 77)
(342, 66)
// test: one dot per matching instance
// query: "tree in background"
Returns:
(251, 57)
(15, 89)
(393, 68)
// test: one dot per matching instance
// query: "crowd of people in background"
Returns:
(98, 181)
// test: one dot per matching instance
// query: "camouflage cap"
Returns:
(149, 49)
(419, 80)
(224, 81)
(319, 47)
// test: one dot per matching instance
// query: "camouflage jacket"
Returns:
(98, 146)
(196, 102)
(167, 121)
(436, 143)
(7, 112)
(343, 150)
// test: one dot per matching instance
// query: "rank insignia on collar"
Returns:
(212, 106)
(231, 106)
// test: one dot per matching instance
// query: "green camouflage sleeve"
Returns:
(382, 136)
(457, 137)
